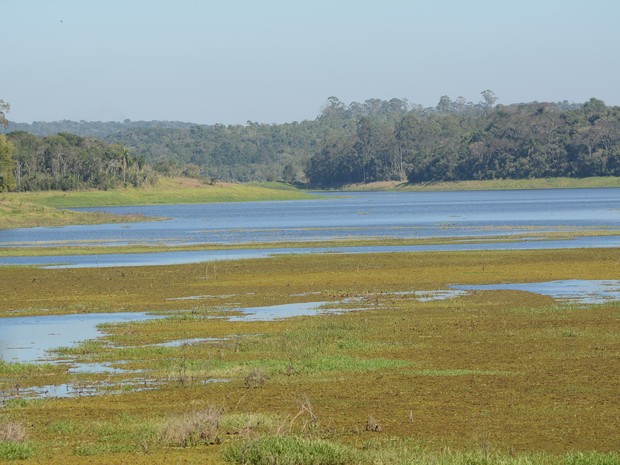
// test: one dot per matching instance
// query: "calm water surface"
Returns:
(28, 339)
(336, 216)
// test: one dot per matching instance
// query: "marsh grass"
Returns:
(64, 427)
(13, 444)
(295, 450)
(13, 368)
(412, 455)
(288, 450)
(495, 365)
(16, 450)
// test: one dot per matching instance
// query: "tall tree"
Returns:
(4, 108)
(7, 165)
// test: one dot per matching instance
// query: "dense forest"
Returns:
(66, 162)
(346, 143)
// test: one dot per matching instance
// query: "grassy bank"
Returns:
(495, 184)
(32, 209)
(15, 213)
(488, 377)
(166, 191)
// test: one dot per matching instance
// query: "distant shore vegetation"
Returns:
(358, 143)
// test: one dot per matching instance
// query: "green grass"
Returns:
(46, 208)
(11, 368)
(16, 450)
(294, 450)
(166, 191)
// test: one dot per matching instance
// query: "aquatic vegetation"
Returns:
(492, 376)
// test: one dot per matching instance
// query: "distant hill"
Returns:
(378, 140)
(89, 128)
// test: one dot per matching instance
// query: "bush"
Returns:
(199, 427)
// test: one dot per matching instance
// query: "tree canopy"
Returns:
(66, 161)
(7, 178)
(359, 142)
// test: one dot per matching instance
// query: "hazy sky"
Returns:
(273, 61)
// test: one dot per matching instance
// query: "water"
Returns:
(457, 215)
(572, 290)
(29, 339)
(274, 312)
(201, 256)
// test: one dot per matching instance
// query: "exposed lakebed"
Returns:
(33, 339)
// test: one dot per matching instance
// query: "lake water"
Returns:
(456, 215)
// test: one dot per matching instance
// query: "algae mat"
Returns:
(491, 370)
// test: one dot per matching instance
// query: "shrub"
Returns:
(199, 427)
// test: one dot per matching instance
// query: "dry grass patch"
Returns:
(192, 428)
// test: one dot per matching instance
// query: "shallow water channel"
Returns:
(33, 339)
(468, 218)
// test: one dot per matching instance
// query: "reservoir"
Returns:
(467, 218)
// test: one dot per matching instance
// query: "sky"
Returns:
(277, 61)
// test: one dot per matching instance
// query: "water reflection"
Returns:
(201, 256)
(28, 339)
(405, 215)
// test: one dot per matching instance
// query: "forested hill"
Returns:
(381, 140)
(89, 128)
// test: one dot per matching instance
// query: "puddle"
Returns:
(188, 342)
(573, 290)
(29, 339)
(275, 312)
(429, 296)
(81, 389)
(95, 368)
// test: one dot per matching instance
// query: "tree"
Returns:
(489, 99)
(7, 165)
(289, 174)
(4, 108)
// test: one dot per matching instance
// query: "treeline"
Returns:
(66, 162)
(473, 142)
(375, 140)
